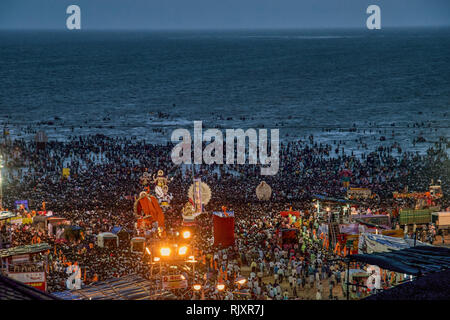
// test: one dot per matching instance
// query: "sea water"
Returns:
(334, 84)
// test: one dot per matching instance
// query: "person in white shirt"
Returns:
(318, 295)
(271, 266)
(278, 289)
(281, 274)
(274, 292)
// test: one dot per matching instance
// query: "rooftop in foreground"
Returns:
(11, 289)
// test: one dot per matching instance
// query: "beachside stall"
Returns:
(123, 234)
(56, 226)
(26, 264)
(391, 261)
(348, 235)
(73, 233)
(442, 221)
(107, 240)
(53, 226)
(5, 230)
(357, 277)
(373, 221)
(332, 209)
(359, 193)
(12, 218)
(138, 244)
(388, 261)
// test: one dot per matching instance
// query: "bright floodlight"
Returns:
(191, 259)
(220, 286)
(165, 251)
(186, 234)
(197, 287)
(241, 280)
(182, 250)
(156, 259)
(148, 251)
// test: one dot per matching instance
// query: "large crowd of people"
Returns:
(104, 182)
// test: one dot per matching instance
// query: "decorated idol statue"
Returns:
(145, 178)
(165, 198)
(161, 188)
(188, 210)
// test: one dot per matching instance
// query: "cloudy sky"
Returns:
(220, 14)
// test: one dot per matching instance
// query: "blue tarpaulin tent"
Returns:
(416, 261)
(331, 199)
(116, 229)
(433, 286)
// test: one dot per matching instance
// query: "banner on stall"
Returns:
(176, 281)
(20, 220)
(21, 203)
(34, 279)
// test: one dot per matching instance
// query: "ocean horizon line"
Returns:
(237, 29)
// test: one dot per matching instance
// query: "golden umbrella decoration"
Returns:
(263, 191)
(206, 192)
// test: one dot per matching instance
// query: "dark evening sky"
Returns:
(223, 14)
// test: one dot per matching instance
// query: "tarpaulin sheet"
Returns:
(415, 260)
(330, 199)
(433, 286)
(349, 228)
(116, 230)
(370, 243)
